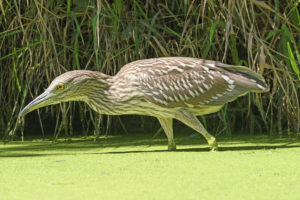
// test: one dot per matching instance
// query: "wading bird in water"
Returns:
(166, 88)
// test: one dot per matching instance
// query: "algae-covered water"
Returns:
(138, 167)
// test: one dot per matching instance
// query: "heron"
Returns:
(167, 88)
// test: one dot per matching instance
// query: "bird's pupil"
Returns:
(60, 87)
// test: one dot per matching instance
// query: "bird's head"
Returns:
(69, 86)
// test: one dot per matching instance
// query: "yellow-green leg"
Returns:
(167, 125)
(191, 120)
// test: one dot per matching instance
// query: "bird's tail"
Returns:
(254, 80)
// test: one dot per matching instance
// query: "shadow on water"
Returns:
(222, 149)
(111, 145)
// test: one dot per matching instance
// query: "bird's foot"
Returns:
(213, 145)
(172, 146)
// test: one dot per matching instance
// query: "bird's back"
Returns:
(201, 86)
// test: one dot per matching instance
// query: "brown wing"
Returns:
(185, 89)
(185, 82)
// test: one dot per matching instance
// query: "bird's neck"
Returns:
(102, 94)
(109, 94)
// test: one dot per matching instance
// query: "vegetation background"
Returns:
(41, 39)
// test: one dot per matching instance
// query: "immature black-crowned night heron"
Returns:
(165, 88)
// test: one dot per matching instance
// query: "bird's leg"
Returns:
(191, 120)
(167, 125)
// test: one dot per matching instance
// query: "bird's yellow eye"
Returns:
(60, 86)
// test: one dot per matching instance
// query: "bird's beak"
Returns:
(43, 100)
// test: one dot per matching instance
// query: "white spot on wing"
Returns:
(211, 77)
(191, 65)
(171, 68)
(181, 63)
(150, 86)
(201, 90)
(156, 93)
(144, 65)
(160, 72)
(181, 97)
(197, 81)
(164, 85)
(189, 84)
(164, 95)
(171, 98)
(205, 68)
(186, 97)
(160, 101)
(176, 98)
(189, 105)
(261, 87)
(227, 79)
(206, 86)
(171, 88)
(144, 75)
(160, 87)
(192, 93)
(211, 64)
(196, 74)
(151, 71)
(231, 86)
(184, 84)
(176, 87)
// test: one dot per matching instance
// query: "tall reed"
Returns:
(42, 39)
